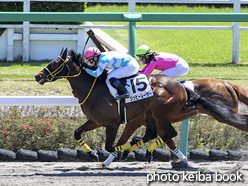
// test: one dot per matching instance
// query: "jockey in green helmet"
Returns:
(144, 51)
(169, 64)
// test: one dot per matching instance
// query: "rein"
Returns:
(89, 92)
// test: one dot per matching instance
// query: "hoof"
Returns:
(94, 156)
(124, 155)
(179, 164)
(136, 139)
(149, 156)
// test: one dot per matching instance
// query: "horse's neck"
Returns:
(78, 81)
(80, 87)
(82, 84)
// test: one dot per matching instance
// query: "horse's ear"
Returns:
(61, 52)
(64, 54)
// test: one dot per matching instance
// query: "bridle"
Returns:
(54, 75)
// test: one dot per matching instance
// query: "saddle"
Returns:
(191, 94)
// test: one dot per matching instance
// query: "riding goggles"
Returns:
(141, 57)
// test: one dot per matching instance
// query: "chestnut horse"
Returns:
(230, 93)
(222, 91)
(157, 112)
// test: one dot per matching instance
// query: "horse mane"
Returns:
(77, 57)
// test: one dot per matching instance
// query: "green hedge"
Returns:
(51, 128)
(11, 7)
(45, 7)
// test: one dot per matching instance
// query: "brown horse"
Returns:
(101, 108)
(157, 112)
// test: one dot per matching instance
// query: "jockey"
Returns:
(122, 65)
(169, 64)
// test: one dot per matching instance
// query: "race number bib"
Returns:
(138, 88)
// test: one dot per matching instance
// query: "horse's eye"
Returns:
(54, 64)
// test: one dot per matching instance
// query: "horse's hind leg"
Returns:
(151, 132)
(165, 112)
(167, 132)
(179, 154)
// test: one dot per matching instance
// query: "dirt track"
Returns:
(118, 173)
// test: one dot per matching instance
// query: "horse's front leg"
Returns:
(111, 131)
(88, 126)
(129, 129)
(127, 132)
(151, 133)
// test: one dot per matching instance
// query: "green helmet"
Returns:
(143, 50)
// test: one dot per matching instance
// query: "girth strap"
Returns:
(122, 110)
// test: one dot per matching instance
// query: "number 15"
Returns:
(137, 83)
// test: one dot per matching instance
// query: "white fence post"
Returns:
(10, 44)
(131, 5)
(80, 40)
(26, 32)
(236, 33)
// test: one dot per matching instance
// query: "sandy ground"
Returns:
(123, 173)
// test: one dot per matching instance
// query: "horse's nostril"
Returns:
(37, 78)
(49, 77)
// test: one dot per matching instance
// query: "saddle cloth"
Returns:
(137, 85)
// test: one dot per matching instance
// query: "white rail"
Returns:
(38, 101)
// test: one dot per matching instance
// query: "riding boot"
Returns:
(123, 93)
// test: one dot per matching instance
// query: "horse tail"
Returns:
(218, 109)
(240, 92)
